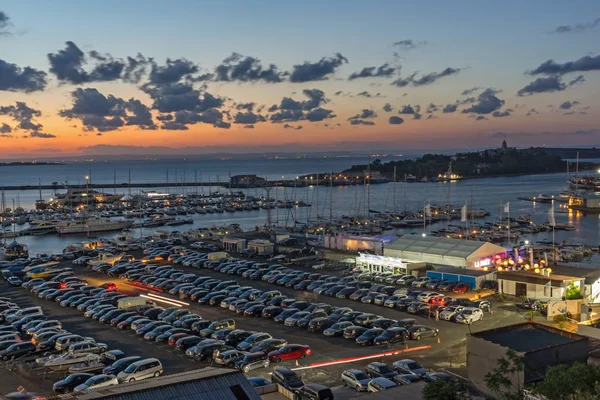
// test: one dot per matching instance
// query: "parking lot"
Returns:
(330, 355)
(449, 353)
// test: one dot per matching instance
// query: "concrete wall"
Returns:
(482, 358)
(534, 290)
(558, 307)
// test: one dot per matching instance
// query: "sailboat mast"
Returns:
(394, 207)
(3, 218)
(331, 197)
(368, 182)
(317, 194)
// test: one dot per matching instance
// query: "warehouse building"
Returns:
(440, 251)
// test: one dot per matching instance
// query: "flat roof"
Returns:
(528, 337)
(441, 246)
(463, 271)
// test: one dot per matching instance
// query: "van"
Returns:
(24, 312)
(139, 370)
(66, 341)
(315, 392)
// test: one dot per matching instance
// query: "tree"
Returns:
(573, 292)
(502, 379)
(578, 381)
(444, 390)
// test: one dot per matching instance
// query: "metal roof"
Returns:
(205, 383)
(442, 246)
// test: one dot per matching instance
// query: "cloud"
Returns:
(470, 91)
(361, 122)
(409, 44)
(548, 84)
(409, 110)
(425, 79)
(165, 117)
(288, 126)
(237, 67)
(317, 71)
(568, 104)
(583, 64)
(480, 118)
(68, 66)
(319, 114)
(107, 113)
(245, 106)
(41, 135)
(364, 114)
(287, 116)
(14, 78)
(431, 108)
(248, 118)
(500, 114)
(248, 126)
(487, 102)
(506, 135)
(532, 112)
(211, 116)
(4, 23)
(23, 115)
(384, 71)
(577, 80)
(395, 120)
(449, 108)
(367, 94)
(5, 128)
(173, 126)
(388, 107)
(577, 28)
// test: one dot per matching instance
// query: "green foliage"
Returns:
(500, 380)
(561, 321)
(573, 292)
(443, 390)
(570, 382)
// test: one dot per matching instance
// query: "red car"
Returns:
(109, 286)
(174, 338)
(438, 301)
(461, 288)
(290, 352)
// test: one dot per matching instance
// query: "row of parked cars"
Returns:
(29, 335)
(422, 282)
(68, 290)
(363, 328)
(202, 339)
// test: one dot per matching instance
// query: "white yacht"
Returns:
(91, 224)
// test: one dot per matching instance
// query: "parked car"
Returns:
(120, 365)
(97, 381)
(287, 378)
(449, 313)
(337, 329)
(139, 370)
(380, 384)
(368, 337)
(253, 361)
(407, 366)
(290, 352)
(485, 305)
(356, 379)
(352, 332)
(379, 369)
(461, 288)
(229, 358)
(17, 350)
(469, 315)
(314, 391)
(419, 332)
(391, 335)
(70, 382)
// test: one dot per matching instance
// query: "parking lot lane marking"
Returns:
(164, 301)
(354, 359)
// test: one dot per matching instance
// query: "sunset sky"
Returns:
(79, 77)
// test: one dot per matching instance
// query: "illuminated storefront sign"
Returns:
(485, 262)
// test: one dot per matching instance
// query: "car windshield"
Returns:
(360, 376)
(371, 333)
(467, 312)
(413, 365)
(384, 369)
(130, 368)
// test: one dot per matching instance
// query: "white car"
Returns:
(469, 315)
(97, 381)
(450, 312)
(197, 245)
(426, 296)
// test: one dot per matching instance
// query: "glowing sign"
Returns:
(486, 262)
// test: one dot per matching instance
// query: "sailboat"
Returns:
(13, 250)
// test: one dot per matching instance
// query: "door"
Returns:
(520, 289)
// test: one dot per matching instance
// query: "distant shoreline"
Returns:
(27, 163)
